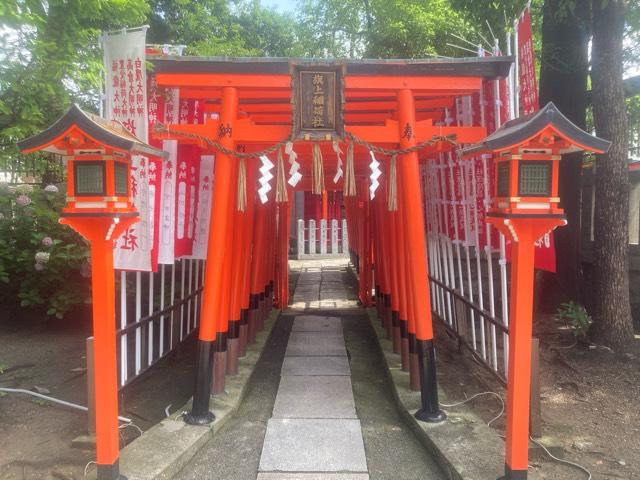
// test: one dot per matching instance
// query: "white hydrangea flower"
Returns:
(47, 241)
(42, 257)
(51, 189)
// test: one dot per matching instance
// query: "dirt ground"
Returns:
(590, 402)
(35, 436)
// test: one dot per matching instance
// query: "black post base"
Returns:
(200, 414)
(430, 409)
(513, 474)
(110, 472)
(202, 420)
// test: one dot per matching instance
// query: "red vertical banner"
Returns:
(155, 111)
(526, 65)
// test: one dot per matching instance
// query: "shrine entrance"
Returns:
(369, 132)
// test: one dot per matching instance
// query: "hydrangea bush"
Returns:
(43, 264)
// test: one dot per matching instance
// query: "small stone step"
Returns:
(313, 445)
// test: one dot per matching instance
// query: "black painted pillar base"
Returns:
(513, 474)
(200, 414)
(110, 472)
(430, 409)
(395, 331)
(243, 332)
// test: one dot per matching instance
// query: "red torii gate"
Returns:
(391, 107)
(387, 104)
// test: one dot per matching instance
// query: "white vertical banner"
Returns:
(132, 250)
(126, 102)
(203, 215)
(126, 82)
(167, 204)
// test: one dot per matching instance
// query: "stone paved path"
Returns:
(322, 284)
(318, 405)
(314, 432)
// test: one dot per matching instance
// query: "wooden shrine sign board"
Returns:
(318, 100)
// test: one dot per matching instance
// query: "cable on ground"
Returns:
(55, 400)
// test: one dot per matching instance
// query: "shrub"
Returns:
(41, 261)
(575, 317)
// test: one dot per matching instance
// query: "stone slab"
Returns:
(315, 397)
(316, 323)
(317, 445)
(315, 366)
(315, 344)
(312, 476)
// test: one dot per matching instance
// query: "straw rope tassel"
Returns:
(392, 192)
(349, 176)
(242, 186)
(318, 171)
(281, 185)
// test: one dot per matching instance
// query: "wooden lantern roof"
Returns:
(80, 130)
(520, 131)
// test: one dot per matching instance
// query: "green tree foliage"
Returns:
(49, 57)
(220, 27)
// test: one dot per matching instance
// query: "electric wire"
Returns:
(498, 396)
(55, 400)
(559, 460)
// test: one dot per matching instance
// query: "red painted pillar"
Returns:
(257, 265)
(248, 254)
(414, 230)
(224, 315)
(213, 280)
(523, 232)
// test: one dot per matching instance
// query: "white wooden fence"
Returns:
(156, 312)
(322, 238)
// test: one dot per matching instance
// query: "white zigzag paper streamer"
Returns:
(339, 172)
(265, 178)
(375, 174)
(294, 171)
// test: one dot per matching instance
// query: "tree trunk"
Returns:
(563, 81)
(611, 310)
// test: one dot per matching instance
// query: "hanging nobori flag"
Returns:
(126, 102)
(526, 66)
(187, 170)
(126, 80)
(186, 198)
(132, 250)
(166, 233)
(205, 195)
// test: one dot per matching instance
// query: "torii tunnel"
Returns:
(391, 106)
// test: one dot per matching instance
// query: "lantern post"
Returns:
(525, 206)
(100, 208)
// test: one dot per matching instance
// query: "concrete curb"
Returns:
(163, 450)
(463, 445)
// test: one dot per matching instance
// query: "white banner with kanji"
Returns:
(126, 81)
(203, 215)
(132, 250)
(167, 204)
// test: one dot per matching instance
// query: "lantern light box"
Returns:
(98, 155)
(526, 155)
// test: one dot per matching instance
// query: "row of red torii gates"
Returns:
(396, 109)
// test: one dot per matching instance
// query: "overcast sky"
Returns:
(282, 5)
